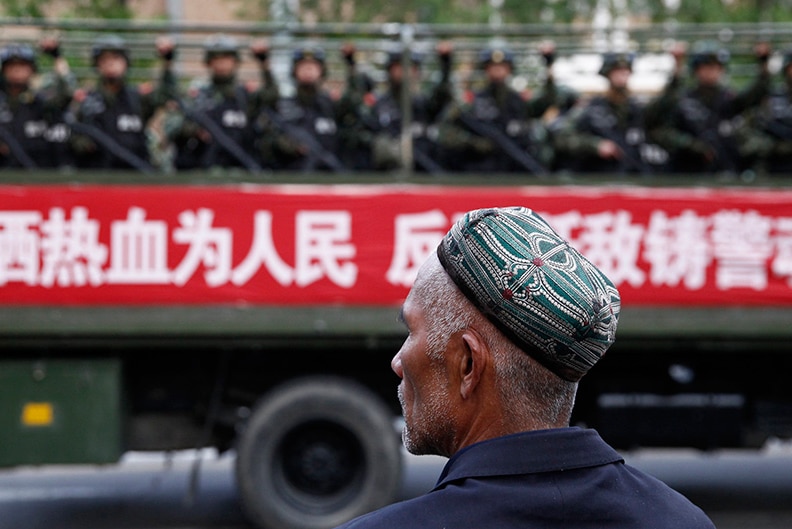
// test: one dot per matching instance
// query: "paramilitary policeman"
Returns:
(607, 134)
(32, 133)
(385, 115)
(766, 141)
(696, 125)
(115, 114)
(214, 126)
(306, 131)
(498, 130)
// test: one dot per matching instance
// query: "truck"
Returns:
(260, 315)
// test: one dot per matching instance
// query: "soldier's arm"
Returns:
(454, 136)
(549, 95)
(167, 85)
(59, 87)
(269, 92)
(753, 94)
(443, 92)
(568, 139)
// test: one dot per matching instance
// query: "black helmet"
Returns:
(309, 53)
(220, 44)
(707, 52)
(496, 56)
(18, 52)
(112, 43)
(611, 61)
(395, 57)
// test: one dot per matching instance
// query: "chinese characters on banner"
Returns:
(364, 244)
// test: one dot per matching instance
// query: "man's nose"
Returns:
(396, 364)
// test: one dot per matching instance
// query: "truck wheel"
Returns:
(317, 452)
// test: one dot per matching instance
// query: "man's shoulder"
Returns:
(415, 512)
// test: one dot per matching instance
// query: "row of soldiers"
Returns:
(693, 126)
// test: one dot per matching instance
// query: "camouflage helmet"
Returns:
(496, 56)
(611, 61)
(220, 44)
(707, 52)
(112, 43)
(18, 52)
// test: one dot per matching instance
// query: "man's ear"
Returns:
(473, 362)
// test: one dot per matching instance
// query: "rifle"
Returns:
(426, 163)
(504, 143)
(316, 149)
(108, 143)
(16, 149)
(221, 137)
(779, 129)
(690, 109)
(634, 162)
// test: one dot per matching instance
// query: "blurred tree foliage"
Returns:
(525, 12)
(69, 8)
(448, 11)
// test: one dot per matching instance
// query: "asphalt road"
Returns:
(738, 489)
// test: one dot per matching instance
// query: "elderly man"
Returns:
(503, 322)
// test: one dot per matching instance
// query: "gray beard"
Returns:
(427, 435)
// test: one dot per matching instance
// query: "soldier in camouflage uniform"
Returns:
(766, 141)
(498, 131)
(607, 134)
(215, 123)
(32, 133)
(114, 115)
(386, 113)
(696, 125)
(309, 130)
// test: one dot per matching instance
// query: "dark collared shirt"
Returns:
(563, 478)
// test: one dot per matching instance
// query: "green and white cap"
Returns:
(531, 284)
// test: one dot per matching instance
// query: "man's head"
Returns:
(503, 321)
(498, 64)
(308, 65)
(221, 56)
(18, 64)
(617, 69)
(110, 57)
(708, 62)
(395, 66)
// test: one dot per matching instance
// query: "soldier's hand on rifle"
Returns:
(704, 150)
(609, 150)
(166, 48)
(290, 147)
(260, 49)
(482, 145)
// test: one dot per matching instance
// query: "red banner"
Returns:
(361, 244)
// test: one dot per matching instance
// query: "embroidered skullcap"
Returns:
(539, 291)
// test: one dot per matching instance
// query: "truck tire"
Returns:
(317, 452)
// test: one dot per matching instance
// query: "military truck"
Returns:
(261, 316)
